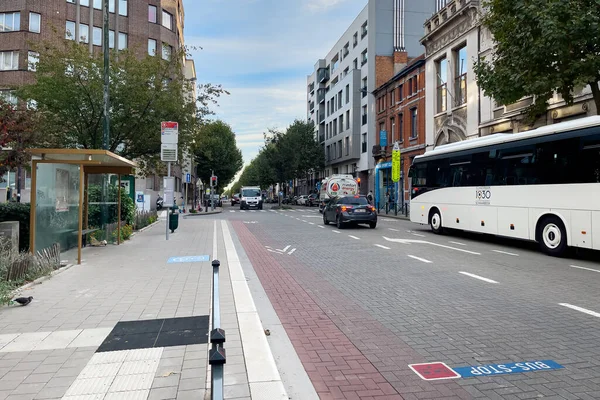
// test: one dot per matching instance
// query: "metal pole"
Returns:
(217, 356)
(106, 120)
(165, 202)
(212, 192)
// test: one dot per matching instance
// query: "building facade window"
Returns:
(84, 33)
(111, 6)
(339, 146)
(364, 115)
(122, 40)
(347, 145)
(166, 51)
(32, 60)
(70, 30)
(340, 99)
(9, 60)
(152, 47)
(97, 36)
(342, 123)
(355, 40)
(355, 63)
(460, 79)
(364, 143)
(363, 57)
(347, 94)
(335, 131)
(111, 39)
(363, 30)
(401, 92)
(152, 12)
(10, 22)
(413, 123)
(98, 4)
(35, 22)
(123, 7)
(442, 87)
(364, 87)
(393, 98)
(392, 129)
(8, 96)
(348, 119)
(167, 20)
(400, 127)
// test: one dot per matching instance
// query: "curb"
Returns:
(37, 281)
(201, 213)
(145, 228)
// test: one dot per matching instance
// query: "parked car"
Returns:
(301, 201)
(313, 200)
(235, 199)
(350, 209)
(216, 199)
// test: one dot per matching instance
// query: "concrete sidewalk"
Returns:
(72, 341)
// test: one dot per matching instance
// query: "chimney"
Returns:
(400, 60)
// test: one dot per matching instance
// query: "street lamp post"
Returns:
(106, 121)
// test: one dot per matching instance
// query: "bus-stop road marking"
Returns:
(478, 277)
(409, 241)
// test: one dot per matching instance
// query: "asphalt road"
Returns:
(460, 299)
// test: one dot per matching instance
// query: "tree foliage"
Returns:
(17, 133)
(143, 92)
(215, 150)
(541, 47)
(286, 155)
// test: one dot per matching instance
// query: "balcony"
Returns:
(321, 95)
(323, 75)
(311, 106)
(311, 88)
(364, 119)
(321, 117)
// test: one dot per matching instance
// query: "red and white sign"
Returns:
(169, 132)
(434, 371)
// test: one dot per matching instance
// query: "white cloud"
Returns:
(322, 5)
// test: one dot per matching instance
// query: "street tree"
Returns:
(541, 47)
(17, 133)
(144, 91)
(215, 150)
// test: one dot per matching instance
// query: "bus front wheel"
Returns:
(552, 236)
(435, 221)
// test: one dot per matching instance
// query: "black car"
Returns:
(313, 200)
(350, 209)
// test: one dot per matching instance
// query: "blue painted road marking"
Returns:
(511, 368)
(188, 259)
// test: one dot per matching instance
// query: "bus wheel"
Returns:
(435, 221)
(552, 236)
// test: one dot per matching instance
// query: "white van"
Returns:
(251, 197)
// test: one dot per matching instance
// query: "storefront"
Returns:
(384, 184)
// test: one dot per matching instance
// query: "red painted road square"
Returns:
(434, 371)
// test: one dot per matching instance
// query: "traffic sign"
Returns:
(383, 138)
(169, 132)
(396, 162)
(188, 178)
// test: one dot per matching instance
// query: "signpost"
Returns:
(396, 154)
(169, 138)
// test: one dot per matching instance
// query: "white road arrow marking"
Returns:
(291, 251)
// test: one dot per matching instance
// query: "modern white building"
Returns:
(456, 108)
(376, 45)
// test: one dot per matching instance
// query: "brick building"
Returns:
(145, 26)
(399, 117)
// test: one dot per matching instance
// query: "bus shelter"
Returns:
(59, 187)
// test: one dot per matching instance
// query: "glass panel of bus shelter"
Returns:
(57, 206)
(102, 215)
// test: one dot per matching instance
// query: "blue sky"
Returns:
(261, 51)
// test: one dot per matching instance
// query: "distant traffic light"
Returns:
(358, 181)
(213, 181)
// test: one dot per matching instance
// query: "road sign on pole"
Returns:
(169, 138)
(396, 162)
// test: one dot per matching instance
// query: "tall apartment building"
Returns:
(456, 108)
(339, 91)
(147, 26)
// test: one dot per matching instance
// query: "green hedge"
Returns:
(17, 212)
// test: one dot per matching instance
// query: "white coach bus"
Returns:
(541, 185)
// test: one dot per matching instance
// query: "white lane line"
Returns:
(417, 234)
(477, 277)
(292, 251)
(286, 248)
(262, 211)
(334, 231)
(321, 226)
(311, 223)
(505, 252)
(304, 220)
(383, 247)
(297, 218)
(354, 237)
(409, 241)
(392, 229)
(587, 269)
(458, 243)
(581, 309)
(231, 210)
(420, 259)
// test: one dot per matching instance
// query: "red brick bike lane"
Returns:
(346, 353)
